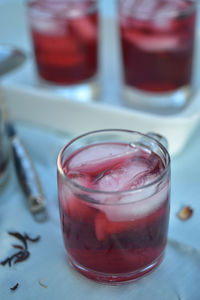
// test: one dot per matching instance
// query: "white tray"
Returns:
(27, 101)
(68, 116)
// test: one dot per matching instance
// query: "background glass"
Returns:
(157, 40)
(65, 42)
(114, 203)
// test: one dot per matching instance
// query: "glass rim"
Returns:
(129, 191)
(169, 15)
(49, 13)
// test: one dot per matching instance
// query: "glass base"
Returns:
(84, 92)
(115, 279)
(162, 103)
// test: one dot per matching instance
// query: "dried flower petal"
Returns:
(20, 237)
(14, 287)
(27, 237)
(185, 213)
(23, 254)
(18, 246)
(6, 261)
(16, 257)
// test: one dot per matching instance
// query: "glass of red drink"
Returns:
(113, 190)
(65, 42)
(157, 43)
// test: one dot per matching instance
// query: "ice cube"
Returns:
(144, 9)
(119, 218)
(123, 178)
(138, 8)
(154, 42)
(103, 227)
(167, 11)
(83, 29)
(47, 26)
(97, 158)
(164, 15)
(138, 205)
(75, 12)
(79, 209)
(73, 203)
(136, 171)
(79, 178)
(154, 9)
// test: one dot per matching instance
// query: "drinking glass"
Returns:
(157, 40)
(113, 191)
(65, 41)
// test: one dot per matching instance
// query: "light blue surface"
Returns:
(174, 279)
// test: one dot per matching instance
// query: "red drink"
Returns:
(64, 37)
(114, 228)
(157, 38)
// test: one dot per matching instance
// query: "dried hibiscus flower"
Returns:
(22, 253)
(14, 287)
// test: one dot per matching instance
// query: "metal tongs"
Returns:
(27, 175)
(11, 58)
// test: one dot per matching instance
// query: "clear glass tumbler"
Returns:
(65, 41)
(113, 190)
(157, 44)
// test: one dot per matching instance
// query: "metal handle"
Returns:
(28, 177)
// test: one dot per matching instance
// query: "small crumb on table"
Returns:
(42, 284)
(185, 213)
